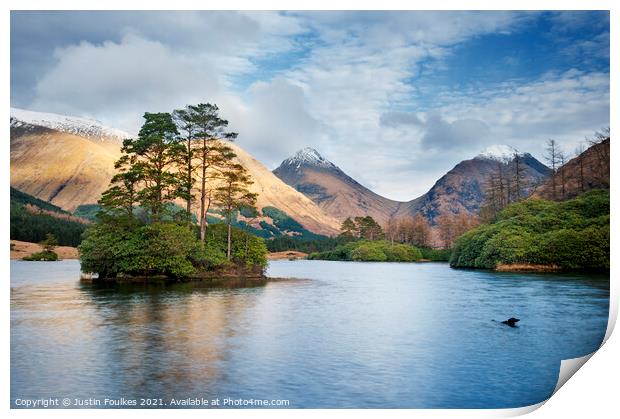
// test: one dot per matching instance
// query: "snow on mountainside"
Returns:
(84, 127)
(307, 156)
(499, 152)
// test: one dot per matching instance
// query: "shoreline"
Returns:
(21, 249)
(526, 267)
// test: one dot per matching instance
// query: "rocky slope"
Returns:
(459, 190)
(69, 163)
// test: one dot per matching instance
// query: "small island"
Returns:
(142, 234)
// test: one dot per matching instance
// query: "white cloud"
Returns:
(351, 91)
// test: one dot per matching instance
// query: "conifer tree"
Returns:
(232, 194)
(212, 155)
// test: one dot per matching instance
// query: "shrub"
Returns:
(246, 249)
(155, 249)
(42, 256)
(371, 251)
(368, 252)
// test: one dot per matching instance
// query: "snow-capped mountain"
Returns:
(307, 157)
(332, 189)
(84, 127)
(460, 189)
(500, 152)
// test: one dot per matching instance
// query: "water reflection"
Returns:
(353, 335)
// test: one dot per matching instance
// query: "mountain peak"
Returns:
(499, 152)
(308, 157)
(84, 127)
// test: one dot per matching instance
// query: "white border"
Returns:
(594, 392)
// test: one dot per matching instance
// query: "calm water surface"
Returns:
(349, 335)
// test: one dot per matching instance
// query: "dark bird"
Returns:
(512, 322)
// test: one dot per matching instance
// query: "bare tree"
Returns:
(562, 170)
(552, 158)
(580, 161)
(600, 145)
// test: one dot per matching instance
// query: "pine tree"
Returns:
(348, 228)
(186, 125)
(232, 194)
(211, 153)
(152, 156)
(50, 243)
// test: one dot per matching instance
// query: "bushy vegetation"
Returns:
(19, 197)
(87, 211)
(48, 256)
(320, 244)
(166, 249)
(570, 235)
(247, 249)
(371, 251)
(436, 255)
(286, 223)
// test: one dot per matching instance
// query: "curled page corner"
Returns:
(568, 367)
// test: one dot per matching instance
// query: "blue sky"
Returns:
(394, 98)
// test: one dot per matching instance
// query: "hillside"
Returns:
(461, 190)
(589, 170)
(69, 166)
(541, 234)
(32, 219)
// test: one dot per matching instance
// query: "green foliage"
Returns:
(367, 252)
(154, 249)
(436, 255)
(301, 244)
(371, 251)
(166, 249)
(87, 211)
(571, 235)
(33, 227)
(246, 248)
(286, 224)
(47, 256)
(361, 227)
(19, 197)
(50, 243)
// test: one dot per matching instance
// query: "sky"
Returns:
(395, 99)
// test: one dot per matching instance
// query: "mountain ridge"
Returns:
(460, 189)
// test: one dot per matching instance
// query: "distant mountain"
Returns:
(461, 189)
(83, 127)
(333, 190)
(589, 170)
(69, 162)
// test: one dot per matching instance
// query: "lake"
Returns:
(343, 335)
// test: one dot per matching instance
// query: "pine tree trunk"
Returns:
(229, 234)
(203, 195)
(189, 183)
